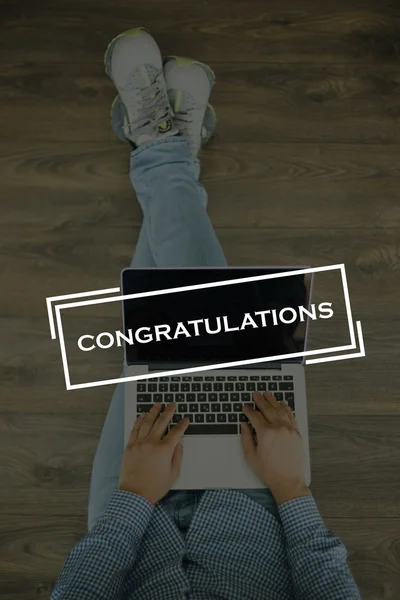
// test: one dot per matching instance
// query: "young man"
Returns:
(146, 542)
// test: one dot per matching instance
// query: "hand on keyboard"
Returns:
(278, 456)
(152, 460)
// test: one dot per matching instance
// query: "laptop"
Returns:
(212, 398)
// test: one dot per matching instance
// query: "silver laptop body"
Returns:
(216, 460)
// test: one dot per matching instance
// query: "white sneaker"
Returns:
(133, 61)
(189, 85)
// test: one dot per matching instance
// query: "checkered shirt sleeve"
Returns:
(97, 565)
(317, 559)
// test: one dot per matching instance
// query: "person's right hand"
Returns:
(277, 457)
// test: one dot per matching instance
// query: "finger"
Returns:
(175, 434)
(265, 407)
(135, 429)
(149, 420)
(290, 416)
(256, 418)
(176, 461)
(161, 424)
(248, 443)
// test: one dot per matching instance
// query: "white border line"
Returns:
(51, 299)
(60, 307)
(359, 354)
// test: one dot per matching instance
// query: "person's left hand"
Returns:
(152, 460)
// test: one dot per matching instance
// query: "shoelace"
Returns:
(155, 107)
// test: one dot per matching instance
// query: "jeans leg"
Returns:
(176, 232)
(165, 176)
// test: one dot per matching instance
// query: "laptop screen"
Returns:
(210, 325)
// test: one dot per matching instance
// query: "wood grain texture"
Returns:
(303, 170)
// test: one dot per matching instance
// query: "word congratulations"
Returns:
(156, 333)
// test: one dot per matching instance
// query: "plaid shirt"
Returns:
(234, 549)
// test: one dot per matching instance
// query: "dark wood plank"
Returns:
(274, 102)
(356, 32)
(96, 254)
(292, 185)
(46, 460)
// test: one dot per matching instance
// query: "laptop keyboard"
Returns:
(212, 403)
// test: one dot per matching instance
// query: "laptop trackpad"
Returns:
(215, 461)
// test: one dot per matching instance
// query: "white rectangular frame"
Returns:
(59, 307)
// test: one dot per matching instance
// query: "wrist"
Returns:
(138, 493)
(286, 492)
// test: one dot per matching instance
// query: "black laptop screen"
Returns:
(214, 328)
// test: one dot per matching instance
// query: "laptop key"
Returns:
(251, 386)
(218, 387)
(221, 418)
(176, 418)
(142, 408)
(191, 397)
(272, 387)
(289, 396)
(199, 418)
(228, 387)
(210, 418)
(232, 418)
(182, 408)
(209, 378)
(221, 378)
(190, 417)
(193, 408)
(243, 377)
(215, 407)
(141, 387)
(245, 397)
(212, 397)
(152, 387)
(278, 396)
(186, 378)
(286, 385)
(277, 378)
(201, 397)
(164, 378)
(175, 378)
(234, 397)
(288, 378)
(143, 398)
(174, 387)
(163, 387)
(198, 378)
(169, 397)
(196, 387)
(237, 407)
(179, 397)
(157, 397)
(239, 387)
(204, 408)
(261, 386)
(242, 418)
(232, 377)
(226, 407)
(254, 377)
(212, 428)
(223, 397)
(207, 387)
(185, 387)
(266, 377)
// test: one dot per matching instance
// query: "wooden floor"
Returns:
(304, 169)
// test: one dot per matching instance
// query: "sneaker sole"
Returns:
(108, 53)
(183, 61)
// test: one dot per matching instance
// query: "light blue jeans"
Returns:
(176, 232)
